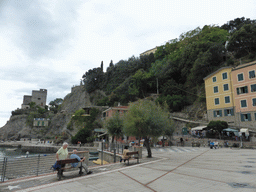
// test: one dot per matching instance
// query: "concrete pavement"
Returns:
(170, 169)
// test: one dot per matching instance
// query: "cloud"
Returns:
(38, 27)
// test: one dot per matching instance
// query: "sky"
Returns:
(50, 44)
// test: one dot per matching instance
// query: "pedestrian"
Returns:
(75, 156)
(181, 142)
(27, 153)
(62, 154)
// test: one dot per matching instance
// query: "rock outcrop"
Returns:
(17, 126)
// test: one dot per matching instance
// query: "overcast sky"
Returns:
(50, 44)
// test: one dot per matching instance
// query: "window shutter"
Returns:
(246, 89)
(249, 116)
(237, 90)
(255, 116)
(242, 117)
(232, 112)
(214, 114)
(220, 113)
(225, 112)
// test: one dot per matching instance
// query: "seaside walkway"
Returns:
(178, 169)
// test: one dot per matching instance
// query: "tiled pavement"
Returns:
(175, 169)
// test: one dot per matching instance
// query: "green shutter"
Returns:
(246, 89)
(220, 113)
(249, 117)
(232, 112)
(214, 114)
(225, 112)
(242, 117)
(255, 116)
(237, 91)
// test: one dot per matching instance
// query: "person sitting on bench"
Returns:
(124, 157)
(75, 156)
(62, 154)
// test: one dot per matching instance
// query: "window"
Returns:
(241, 90)
(225, 87)
(38, 123)
(215, 89)
(254, 102)
(227, 99)
(228, 112)
(42, 123)
(246, 117)
(217, 113)
(255, 116)
(253, 88)
(240, 77)
(251, 74)
(217, 101)
(243, 103)
(214, 79)
(224, 76)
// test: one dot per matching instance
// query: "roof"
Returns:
(117, 108)
(216, 72)
(199, 128)
(244, 65)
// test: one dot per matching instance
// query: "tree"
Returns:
(218, 126)
(114, 126)
(146, 119)
(55, 104)
(243, 41)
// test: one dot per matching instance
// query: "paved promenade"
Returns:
(170, 169)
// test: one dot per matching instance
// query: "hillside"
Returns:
(175, 71)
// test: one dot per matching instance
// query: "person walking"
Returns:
(75, 156)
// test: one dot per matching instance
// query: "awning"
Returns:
(102, 134)
(230, 130)
(243, 130)
(199, 128)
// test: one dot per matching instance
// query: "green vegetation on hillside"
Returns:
(176, 68)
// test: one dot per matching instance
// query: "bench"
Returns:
(132, 153)
(68, 161)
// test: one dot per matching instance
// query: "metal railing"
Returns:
(30, 166)
(14, 168)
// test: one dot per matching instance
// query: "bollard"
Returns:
(114, 155)
(102, 153)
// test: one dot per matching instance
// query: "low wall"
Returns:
(39, 149)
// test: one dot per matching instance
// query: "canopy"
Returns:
(230, 130)
(199, 128)
(243, 130)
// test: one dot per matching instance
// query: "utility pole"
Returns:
(157, 86)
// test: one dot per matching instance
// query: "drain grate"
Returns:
(239, 185)
(245, 172)
(251, 161)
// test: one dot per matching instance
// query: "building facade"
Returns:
(244, 85)
(231, 95)
(40, 122)
(219, 96)
(39, 97)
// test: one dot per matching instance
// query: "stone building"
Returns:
(39, 97)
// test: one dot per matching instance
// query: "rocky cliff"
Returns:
(17, 126)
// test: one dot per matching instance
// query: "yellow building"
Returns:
(219, 96)
(149, 51)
